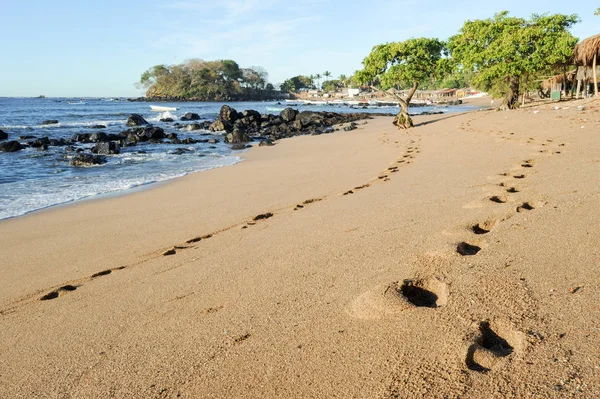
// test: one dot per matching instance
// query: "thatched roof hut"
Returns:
(587, 53)
(586, 50)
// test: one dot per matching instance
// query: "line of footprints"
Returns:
(493, 342)
(406, 159)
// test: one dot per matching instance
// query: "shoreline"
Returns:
(149, 185)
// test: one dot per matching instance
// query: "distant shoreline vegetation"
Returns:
(199, 80)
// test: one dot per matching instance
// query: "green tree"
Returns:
(327, 75)
(332, 85)
(343, 80)
(318, 78)
(393, 65)
(297, 83)
(597, 12)
(503, 53)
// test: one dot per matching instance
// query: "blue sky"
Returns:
(100, 48)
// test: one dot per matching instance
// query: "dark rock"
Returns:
(98, 137)
(238, 146)
(351, 127)
(3, 135)
(228, 114)
(252, 115)
(180, 151)
(60, 142)
(288, 114)
(220, 125)
(44, 141)
(192, 127)
(50, 122)
(98, 127)
(106, 148)
(27, 137)
(136, 120)
(296, 125)
(237, 136)
(267, 142)
(172, 136)
(212, 141)
(10, 146)
(87, 160)
(167, 120)
(153, 133)
(190, 116)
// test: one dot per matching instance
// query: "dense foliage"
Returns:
(400, 64)
(504, 53)
(298, 83)
(206, 81)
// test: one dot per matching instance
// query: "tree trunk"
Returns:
(595, 77)
(511, 101)
(403, 119)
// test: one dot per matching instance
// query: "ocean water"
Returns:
(33, 179)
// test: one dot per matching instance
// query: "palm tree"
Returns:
(318, 77)
(343, 79)
(312, 80)
(327, 74)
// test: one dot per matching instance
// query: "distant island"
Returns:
(199, 80)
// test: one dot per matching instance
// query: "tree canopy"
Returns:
(204, 80)
(505, 52)
(298, 83)
(400, 64)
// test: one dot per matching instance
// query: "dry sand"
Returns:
(359, 295)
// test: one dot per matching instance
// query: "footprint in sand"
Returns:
(467, 249)
(530, 205)
(197, 239)
(391, 299)
(349, 192)
(263, 216)
(512, 190)
(494, 344)
(529, 163)
(485, 227)
(499, 199)
(61, 291)
(522, 176)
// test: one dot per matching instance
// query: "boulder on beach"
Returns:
(87, 160)
(39, 143)
(266, 142)
(190, 116)
(3, 135)
(167, 120)
(154, 133)
(10, 146)
(197, 126)
(228, 114)
(237, 136)
(98, 137)
(50, 122)
(288, 114)
(108, 148)
(219, 125)
(136, 120)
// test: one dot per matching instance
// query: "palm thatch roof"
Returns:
(586, 50)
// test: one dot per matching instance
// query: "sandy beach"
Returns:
(459, 259)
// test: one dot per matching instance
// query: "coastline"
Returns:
(296, 303)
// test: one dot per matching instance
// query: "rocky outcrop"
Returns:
(136, 120)
(288, 114)
(190, 116)
(106, 148)
(228, 114)
(3, 135)
(237, 136)
(10, 146)
(220, 126)
(197, 126)
(87, 160)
